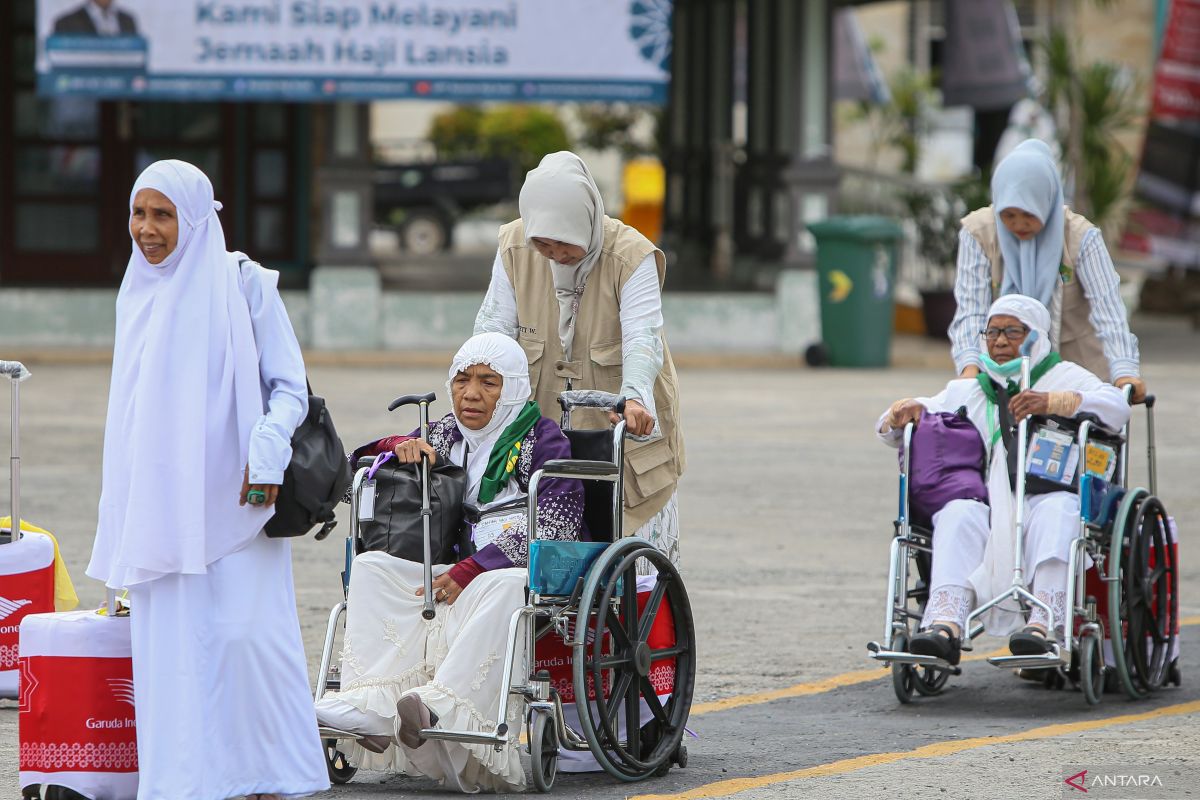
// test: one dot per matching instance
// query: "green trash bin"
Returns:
(856, 265)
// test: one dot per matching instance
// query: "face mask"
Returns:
(1008, 369)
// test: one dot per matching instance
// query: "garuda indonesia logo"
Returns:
(650, 28)
(10, 607)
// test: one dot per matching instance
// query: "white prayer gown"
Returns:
(203, 348)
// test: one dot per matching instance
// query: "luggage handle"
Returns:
(16, 372)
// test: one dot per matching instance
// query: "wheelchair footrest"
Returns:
(914, 660)
(334, 733)
(467, 737)
(1045, 661)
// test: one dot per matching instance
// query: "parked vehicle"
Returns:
(423, 200)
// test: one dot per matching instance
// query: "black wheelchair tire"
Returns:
(1146, 587)
(543, 750)
(904, 677)
(1091, 669)
(340, 770)
(632, 759)
(1130, 595)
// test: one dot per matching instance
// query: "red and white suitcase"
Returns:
(26, 558)
(77, 723)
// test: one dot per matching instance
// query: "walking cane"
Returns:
(1022, 445)
(423, 401)
(426, 512)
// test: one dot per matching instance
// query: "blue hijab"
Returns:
(1027, 179)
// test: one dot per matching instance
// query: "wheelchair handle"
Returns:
(412, 399)
(591, 398)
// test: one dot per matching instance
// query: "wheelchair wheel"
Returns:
(618, 656)
(1091, 669)
(929, 682)
(543, 750)
(904, 677)
(339, 768)
(1144, 600)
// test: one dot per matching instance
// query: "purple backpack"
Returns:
(948, 463)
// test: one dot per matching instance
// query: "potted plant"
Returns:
(935, 213)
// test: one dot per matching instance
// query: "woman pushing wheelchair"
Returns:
(401, 673)
(973, 545)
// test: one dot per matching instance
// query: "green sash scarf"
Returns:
(1044, 366)
(503, 460)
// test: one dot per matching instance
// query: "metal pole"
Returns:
(1022, 430)
(14, 462)
(426, 512)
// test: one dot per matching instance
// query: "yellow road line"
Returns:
(835, 682)
(936, 750)
(815, 687)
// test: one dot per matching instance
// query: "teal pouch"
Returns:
(556, 566)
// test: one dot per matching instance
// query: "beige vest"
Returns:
(652, 469)
(1071, 330)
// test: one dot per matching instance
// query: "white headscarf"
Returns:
(1034, 316)
(1028, 179)
(560, 201)
(185, 395)
(507, 358)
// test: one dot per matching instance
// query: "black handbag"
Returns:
(315, 480)
(395, 525)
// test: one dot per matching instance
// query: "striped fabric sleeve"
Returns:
(973, 294)
(1101, 285)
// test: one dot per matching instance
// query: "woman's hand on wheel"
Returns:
(1139, 387)
(409, 451)
(257, 494)
(445, 590)
(638, 420)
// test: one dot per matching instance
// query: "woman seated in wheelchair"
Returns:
(973, 540)
(400, 673)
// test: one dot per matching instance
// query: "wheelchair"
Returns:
(1123, 612)
(582, 601)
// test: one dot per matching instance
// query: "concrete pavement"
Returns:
(787, 509)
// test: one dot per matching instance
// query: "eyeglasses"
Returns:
(1012, 333)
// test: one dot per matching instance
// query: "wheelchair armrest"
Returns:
(582, 469)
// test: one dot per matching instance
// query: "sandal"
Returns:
(939, 641)
(413, 717)
(1029, 641)
(375, 744)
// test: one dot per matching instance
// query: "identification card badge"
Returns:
(366, 501)
(490, 528)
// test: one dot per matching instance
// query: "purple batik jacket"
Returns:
(560, 500)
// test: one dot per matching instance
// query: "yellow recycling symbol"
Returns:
(842, 285)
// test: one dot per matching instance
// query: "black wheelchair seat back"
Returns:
(595, 445)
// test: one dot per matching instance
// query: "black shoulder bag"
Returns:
(315, 480)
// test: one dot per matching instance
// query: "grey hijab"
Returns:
(560, 201)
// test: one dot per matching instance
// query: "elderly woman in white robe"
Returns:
(973, 544)
(208, 386)
(401, 673)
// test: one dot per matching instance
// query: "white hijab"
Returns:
(1028, 179)
(1035, 316)
(185, 395)
(560, 201)
(507, 358)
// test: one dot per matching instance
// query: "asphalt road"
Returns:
(786, 509)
